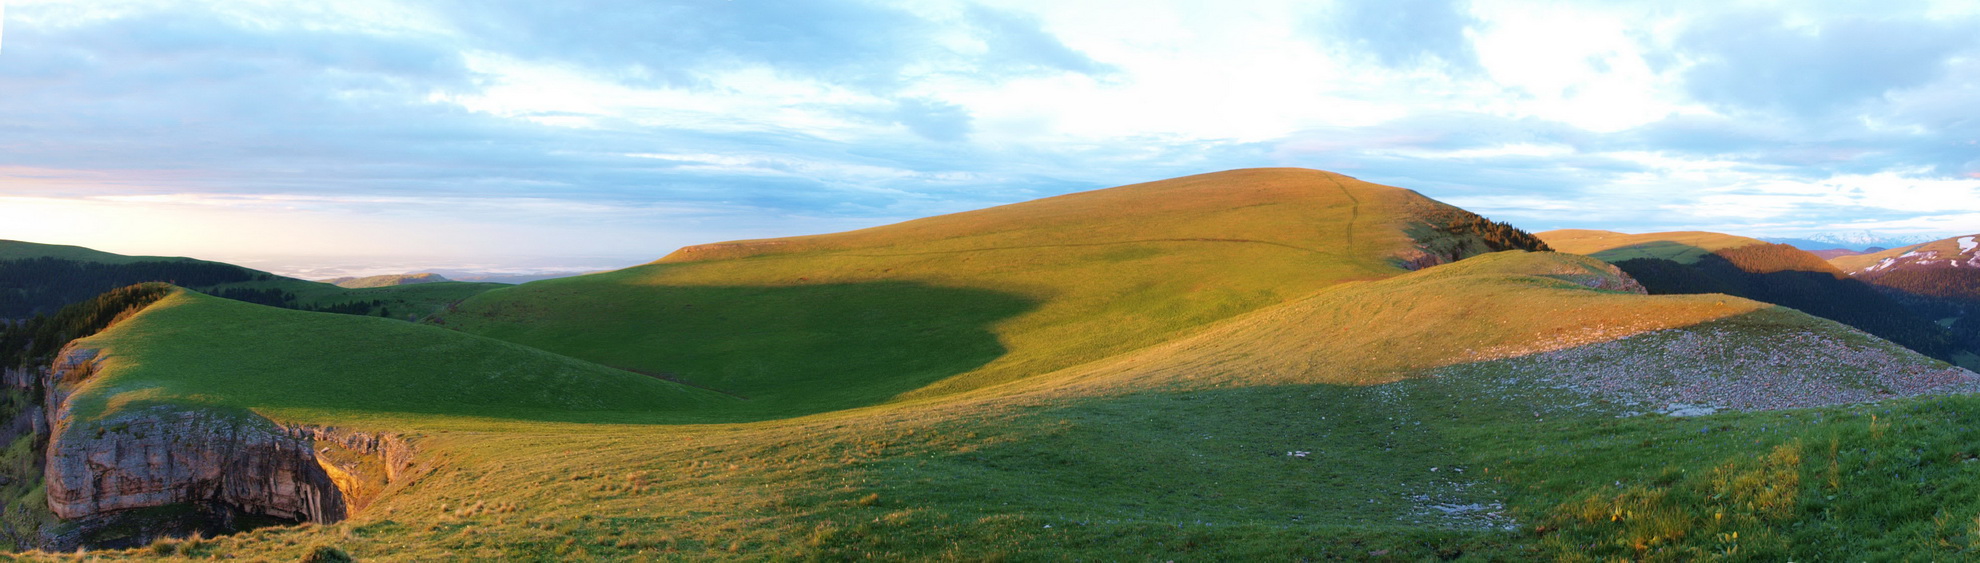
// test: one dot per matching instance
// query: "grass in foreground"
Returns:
(1190, 450)
(1106, 480)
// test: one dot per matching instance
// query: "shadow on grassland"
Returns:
(1469, 458)
(1789, 277)
(788, 350)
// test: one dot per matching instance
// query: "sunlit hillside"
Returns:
(964, 301)
(1254, 372)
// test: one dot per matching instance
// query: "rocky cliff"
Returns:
(166, 454)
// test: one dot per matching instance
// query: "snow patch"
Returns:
(1966, 244)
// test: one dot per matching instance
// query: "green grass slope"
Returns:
(1303, 430)
(196, 349)
(1248, 401)
(957, 302)
(16, 250)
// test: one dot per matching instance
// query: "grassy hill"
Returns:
(1939, 253)
(1303, 430)
(963, 301)
(41, 278)
(17, 250)
(385, 280)
(1683, 247)
(1240, 366)
(319, 367)
(1700, 262)
(1859, 262)
(1938, 280)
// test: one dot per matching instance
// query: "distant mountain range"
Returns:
(1860, 241)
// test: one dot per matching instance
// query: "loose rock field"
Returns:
(1698, 371)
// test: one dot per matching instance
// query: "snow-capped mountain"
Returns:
(1957, 254)
(1852, 240)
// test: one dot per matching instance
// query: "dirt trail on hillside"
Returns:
(1354, 211)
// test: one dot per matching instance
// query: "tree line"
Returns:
(32, 286)
(34, 341)
(1497, 235)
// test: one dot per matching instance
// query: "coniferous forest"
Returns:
(1783, 275)
(33, 286)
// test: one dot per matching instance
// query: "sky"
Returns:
(590, 134)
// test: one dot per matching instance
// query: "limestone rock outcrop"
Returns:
(166, 453)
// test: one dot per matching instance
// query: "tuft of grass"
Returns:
(327, 554)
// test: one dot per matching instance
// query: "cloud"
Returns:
(1406, 33)
(674, 43)
(934, 120)
(1762, 61)
(791, 116)
(1017, 39)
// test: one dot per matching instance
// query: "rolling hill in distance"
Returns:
(40, 278)
(387, 280)
(1703, 262)
(1252, 364)
(1937, 280)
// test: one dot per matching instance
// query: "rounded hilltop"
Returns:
(961, 301)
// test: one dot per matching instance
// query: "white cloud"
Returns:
(1573, 113)
(1535, 150)
(750, 98)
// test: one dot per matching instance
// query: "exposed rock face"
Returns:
(166, 454)
(29, 421)
(162, 455)
(20, 378)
